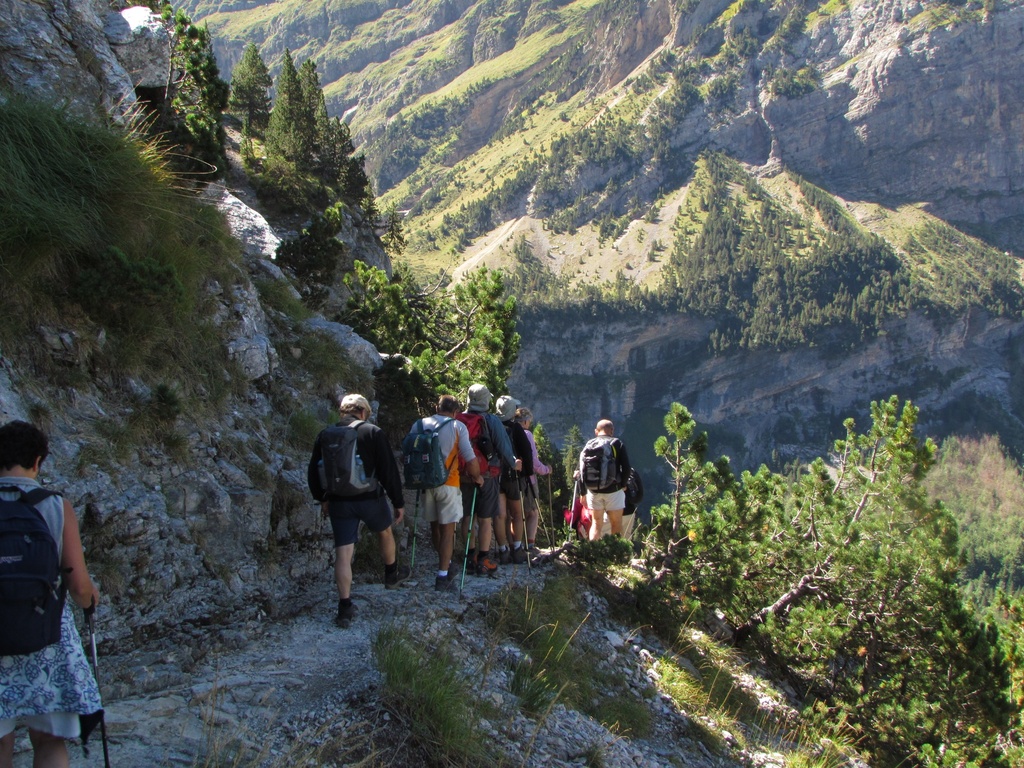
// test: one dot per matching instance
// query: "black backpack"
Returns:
(32, 591)
(599, 468)
(421, 454)
(342, 472)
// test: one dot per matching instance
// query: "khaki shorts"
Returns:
(442, 505)
(604, 502)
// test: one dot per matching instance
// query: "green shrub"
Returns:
(125, 294)
(604, 552)
(794, 84)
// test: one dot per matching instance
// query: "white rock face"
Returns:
(248, 225)
(141, 41)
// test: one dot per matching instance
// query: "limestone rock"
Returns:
(58, 51)
(362, 351)
(141, 41)
(250, 228)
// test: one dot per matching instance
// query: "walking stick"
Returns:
(572, 507)
(89, 612)
(415, 514)
(522, 513)
(546, 520)
(469, 535)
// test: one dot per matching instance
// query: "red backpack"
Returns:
(480, 438)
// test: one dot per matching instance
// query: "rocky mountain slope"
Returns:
(211, 555)
(902, 101)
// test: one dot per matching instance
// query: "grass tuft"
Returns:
(420, 688)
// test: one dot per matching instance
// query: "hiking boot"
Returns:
(446, 583)
(519, 556)
(392, 580)
(504, 557)
(485, 566)
(345, 614)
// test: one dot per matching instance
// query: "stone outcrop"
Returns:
(81, 54)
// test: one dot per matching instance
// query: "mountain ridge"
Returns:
(879, 63)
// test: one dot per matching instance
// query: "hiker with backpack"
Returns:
(481, 503)
(352, 473)
(45, 679)
(603, 470)
(531, 504)
(438, 454)
(512, 486)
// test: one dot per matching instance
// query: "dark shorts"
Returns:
(484, 502)
(346, 516)
(512, 487)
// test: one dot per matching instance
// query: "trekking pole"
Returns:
(551, 513)
(469, 536)
(522, 514)
(415, 514)
(572, 509)
(89, 612)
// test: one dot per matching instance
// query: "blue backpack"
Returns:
(32, 591)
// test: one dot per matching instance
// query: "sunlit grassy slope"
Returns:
(488, 123)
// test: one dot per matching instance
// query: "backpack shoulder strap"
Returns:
(36, 495)
(31, 497)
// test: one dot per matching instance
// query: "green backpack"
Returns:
(421, 456)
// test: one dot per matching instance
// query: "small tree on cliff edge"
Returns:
(196, 98)
(289, 130)
(453, 337)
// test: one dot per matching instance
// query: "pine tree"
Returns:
(572, 445)
(453, 338)
(857, 584)
(393, 237)
(250, 90)
(285, 137)
(197, 97)
(312, 122)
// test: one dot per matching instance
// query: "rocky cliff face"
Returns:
(937, 101)
(85, 55)
(193, 544)
(766, 406)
